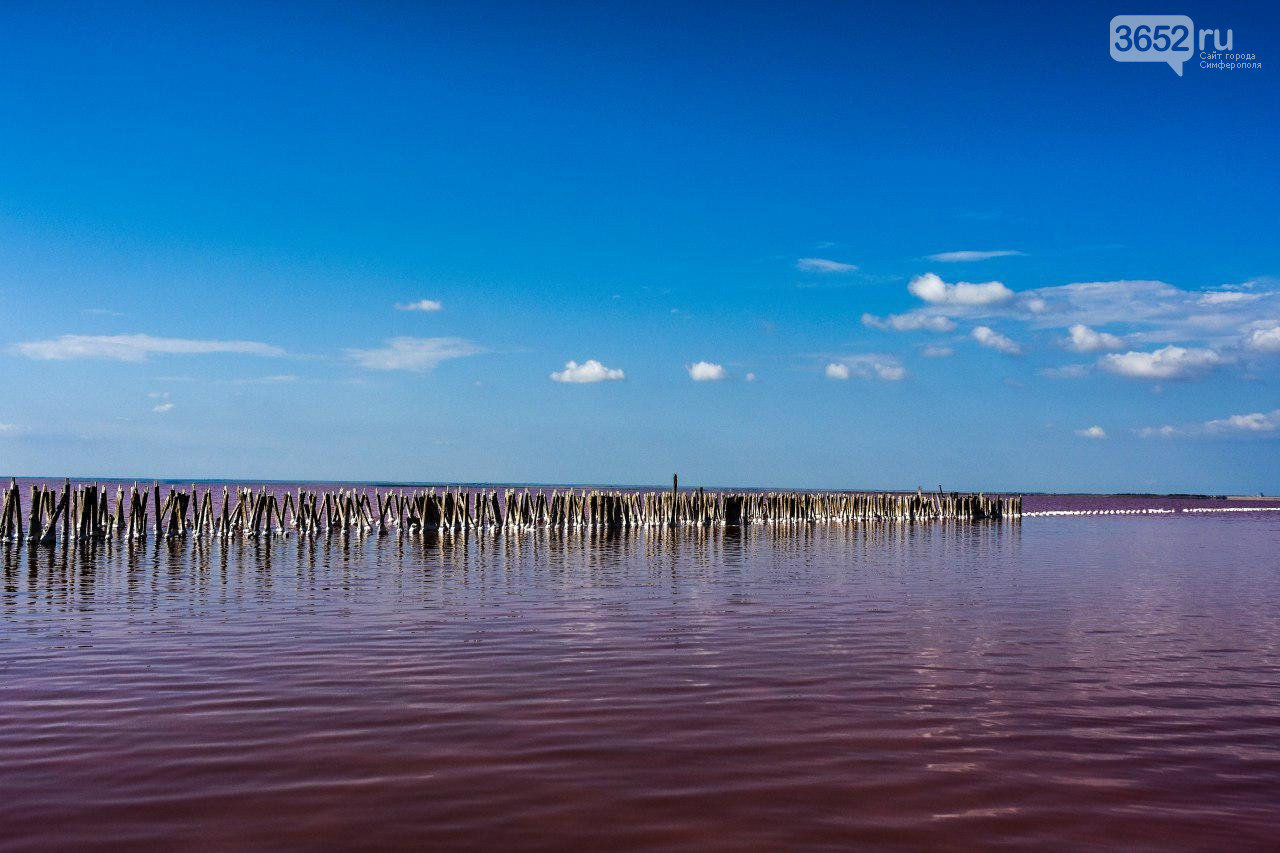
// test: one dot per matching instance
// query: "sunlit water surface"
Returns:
(1071, 680)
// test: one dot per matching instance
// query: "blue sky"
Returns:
(218, 226)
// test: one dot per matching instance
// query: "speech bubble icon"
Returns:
(1153, 38)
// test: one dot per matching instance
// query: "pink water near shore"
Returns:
(1067, 680)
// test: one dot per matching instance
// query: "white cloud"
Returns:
(1094, 431)
(8, 428)
(957, 257)
(416, 354)
(705, 371)
(135, 347)
(1258, 422)
(420, 305)
(823, 265)
(589, 371)
(1170, 314)
(1171, 362)
(164, 405)
(991, 339)
(1262, 424)
(870, 366)
(934, 290)
(1227, 297)
(1084, 339)
(1264, 339)
(935, 351)
(1138, 312)
(751, 377)
(910, 321)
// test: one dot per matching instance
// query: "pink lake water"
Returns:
(1086, 680)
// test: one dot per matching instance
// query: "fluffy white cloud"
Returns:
(589, 371)
(705, 371)
(1094, 431)
(1264, 339)
(420, 305)
(135, 347)
(935, 351)
(1165, 431)
(163, 407)
(870, 366)
(934, 290)
(823, 265)
(751, 377)
(956, 257)
(1083, 339)
(991, 339)
(1258, 422)
(415, 354)
(1169, 362)
(910, 321)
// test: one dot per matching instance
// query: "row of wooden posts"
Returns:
(86, 512)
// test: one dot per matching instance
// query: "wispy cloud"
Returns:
(135, 347)
(932, 289)
(1094, 431)
(274, 379)
(1166, 313)
(909, 322)
(936, 351)
(420, 305)
(1227, 297)
(1169, 362)
(991, 339)
(587, 372)
(413, 354)
(1255, 424)
(868, 366)
(1252, 424)
(824, 265)
(163, 405)
(705, 371)
(971, 255)
(1066, 371)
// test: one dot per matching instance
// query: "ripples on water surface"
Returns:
(1080, 680)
